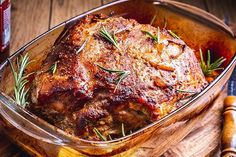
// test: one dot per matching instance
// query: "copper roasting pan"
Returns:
(196, 27)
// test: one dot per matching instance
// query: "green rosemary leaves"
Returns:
(207, 67)
(121, 75)
(152, 36)
(155, 38)
(185, 91)
(153, 19)
(109, 37)
(20, 92)
(123, 129)
(97, 132)
(173, 34)
(54, 68)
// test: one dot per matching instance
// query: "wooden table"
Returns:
(33, 17)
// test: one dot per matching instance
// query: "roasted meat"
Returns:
(115, 76)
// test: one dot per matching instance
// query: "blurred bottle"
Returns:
(5, 28)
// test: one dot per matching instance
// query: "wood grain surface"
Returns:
(201, 141)
(204, 140)
(65, 9)
(30, 18)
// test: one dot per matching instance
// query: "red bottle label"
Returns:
(5, 28)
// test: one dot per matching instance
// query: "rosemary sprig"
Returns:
(82, 47)
(122, 74)
(110, 138)
(189, 96)
(173, 34)
(165, 23)
(153, 19)
(155, 38)
(20, 93)
(109, 37)
(97, 132)
(184, 91)
(123, 129)
(207, 67)
(54, 68)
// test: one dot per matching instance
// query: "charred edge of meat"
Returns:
(79, 96)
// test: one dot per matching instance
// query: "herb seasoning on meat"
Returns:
(88, 97)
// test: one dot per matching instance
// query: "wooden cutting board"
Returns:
(203, 135)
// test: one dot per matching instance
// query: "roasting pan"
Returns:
(196, 27)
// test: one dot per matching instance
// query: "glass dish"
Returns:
(196, 27)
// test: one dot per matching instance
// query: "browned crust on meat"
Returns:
(86, 92)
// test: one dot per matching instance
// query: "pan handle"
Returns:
(228, 139)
